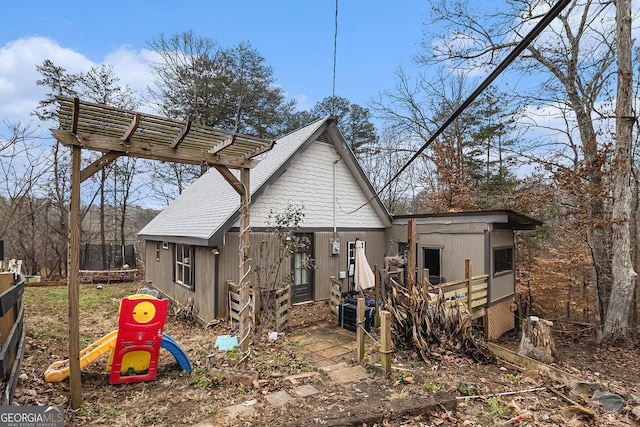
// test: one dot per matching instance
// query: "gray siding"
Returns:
(210, 299)
(331, 265)
(326, 264)
(455, 248)
(459, 241)
(160, 273)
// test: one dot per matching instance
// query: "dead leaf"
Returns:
(514, 407)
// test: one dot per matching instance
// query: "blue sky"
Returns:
(295, 37)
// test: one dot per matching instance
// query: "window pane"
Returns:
(179, 273)
(187, 275)
(502, 260)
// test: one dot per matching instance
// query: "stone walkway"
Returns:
(326, 346)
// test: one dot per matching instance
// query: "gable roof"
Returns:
(206, 210)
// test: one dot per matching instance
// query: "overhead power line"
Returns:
(526, 41)
(335, 54)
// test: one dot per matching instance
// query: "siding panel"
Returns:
(309, 182)
(328, 265)
(455, 249)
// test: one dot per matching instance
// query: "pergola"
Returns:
(117, 132)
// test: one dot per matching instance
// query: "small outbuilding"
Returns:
(486, 238)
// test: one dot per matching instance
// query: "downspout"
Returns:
(216, 283)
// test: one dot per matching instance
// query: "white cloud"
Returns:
(303, 102)
(131, 67)
(19, 93)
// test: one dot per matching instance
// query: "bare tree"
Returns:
(99, 85)
(616, 325)
(60, 83)
(465, 165)
(572, 64)
(380, 161)
(21, 166)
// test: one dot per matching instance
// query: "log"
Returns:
(377, 412)
(511, 360)
(537, 340)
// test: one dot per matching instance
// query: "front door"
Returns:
(302, 268)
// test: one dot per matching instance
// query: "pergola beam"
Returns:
(98, 165)
(149, 151)
(73, 291)
(231, 179)
(76, 115)
(227, 142)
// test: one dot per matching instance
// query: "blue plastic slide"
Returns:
(168, 343)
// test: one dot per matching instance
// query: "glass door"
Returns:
(302, 268)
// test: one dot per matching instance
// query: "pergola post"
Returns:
(245, 267)
(193, 144)
(75, 382)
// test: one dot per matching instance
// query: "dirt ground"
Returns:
(177, 399)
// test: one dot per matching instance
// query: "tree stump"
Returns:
(537, 340)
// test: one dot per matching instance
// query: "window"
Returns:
(184, 266)
(502, 260)
(158, 251)
(351, 257)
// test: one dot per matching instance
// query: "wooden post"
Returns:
(467, 276)
(376, 274)
(411, 256)
(385, 341)
(75, 380)
(360, 328)
(245, 229)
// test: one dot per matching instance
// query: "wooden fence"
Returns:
(12, 332)
(277, 303)
(336, 294)
(470, 292)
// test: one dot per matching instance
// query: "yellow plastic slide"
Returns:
(58, 371)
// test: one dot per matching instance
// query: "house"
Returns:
(486, 238)
(192, 246)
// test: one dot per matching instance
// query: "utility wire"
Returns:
(526, 41)
(335, 54)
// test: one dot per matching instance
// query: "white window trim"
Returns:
(182, 263)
